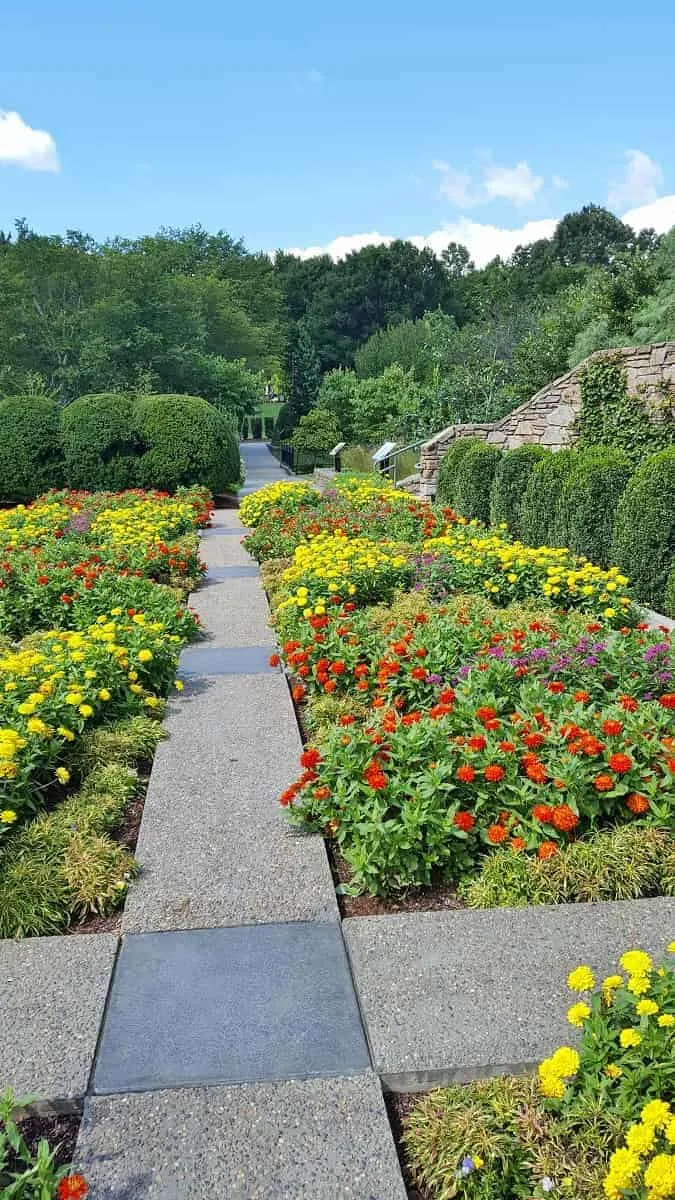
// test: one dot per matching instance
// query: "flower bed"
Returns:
(596, 1122)
(471, 701)
(92, 619)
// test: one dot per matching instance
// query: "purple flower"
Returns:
(547, 1184)
(467, 1166)
(434, 679)
(653, 651)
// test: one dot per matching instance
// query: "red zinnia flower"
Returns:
(555, 687)
(477, 742)
(536, 772)
(534, 740)
(361, 670)
(628, 704)
(581, 697)
(637, 803)
(464, 820)
(298, 693)
(419, 673)
(375, 777)
(620, 763)
(321, 793)
(496, 834)
(517, 843)
(612, 728)
(667, 700)
(330, 686)
(72, 1187)
(603, 783)
(465, 774)
(274, 660)
(547, 850)
(347, 719)
(486, 713)
(543, 813)
(564, 818)
(493, 773)
(310, 758)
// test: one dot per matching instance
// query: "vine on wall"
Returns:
(611, 416)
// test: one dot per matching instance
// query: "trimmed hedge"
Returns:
(102, 442)
(188, 441)
(669, 602)
(509, 483)
(588, 501)
(31, 458)
(644, 530)
(473, 481)
(447, 471)
(540, 510)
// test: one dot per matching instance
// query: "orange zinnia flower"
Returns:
(493, 773)
(603, 783)
(496, 834)
(464, 820)
(611, 727)
(620, 763)
(547, 850)
(465, 774)
(637, 804)
(564, 818)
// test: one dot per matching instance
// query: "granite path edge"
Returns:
(454, 996)
(319, 1139)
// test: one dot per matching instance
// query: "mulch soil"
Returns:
(399, 1105)
(438, 898)
(58, 1130)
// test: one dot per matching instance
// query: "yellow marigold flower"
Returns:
(136, 689)
(659, 1177)
(638, 984)
(8, 816)
(640, 1138)
(636, 962)
(611, 983)
(565, 1061)
(551, 1085)
(581, 979)
(86, 710)
(612, 1071)
(630, 1037)
(623, 1167)
(646, 1008)
(74, 698)
(104, 694)
(62, 774)
(656, 1113)
(144, 655)
(666, 1021)
(670, 1132)
(577, 1014)
(671, 947)
(179, 685)
(66, 733)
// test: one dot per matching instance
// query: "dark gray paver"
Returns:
(215, 847)
(226, 660)
(216, 574)
(457, 995)
(225, 531)
(52, 995)
(257, 1002)
(319, 1139)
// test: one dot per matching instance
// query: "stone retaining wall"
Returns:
(548, 418)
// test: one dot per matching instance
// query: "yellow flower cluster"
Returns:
(333, 564)
(364, 492)
(143, 524)
(31, 525)
(654, 1131)
(563, 1064)
(512, 571)
(290, 496)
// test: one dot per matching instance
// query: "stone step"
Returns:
(459, 995)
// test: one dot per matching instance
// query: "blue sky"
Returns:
(294, 125)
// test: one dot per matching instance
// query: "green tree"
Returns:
(337, 394)
(316, 430)
(303, 372)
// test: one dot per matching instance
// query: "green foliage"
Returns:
(189, 441)
(316, 430)
(390, 406)
(509, 483)
(540, 509)
(449, 467)
(609, 416)
(669, 601)
(25, 1174)
(285, 423)
(405, 345)
(473, 481)
(358, 460)
(589, 497)
(102, 443)
(644, 530)
(132, 740)
(30, 448)
(303, 372)
(592, 236)
(627, 863)
(337, 394)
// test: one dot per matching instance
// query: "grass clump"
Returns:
(130, 741)
(620, 864)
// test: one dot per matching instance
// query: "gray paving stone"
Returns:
(216, 574)
(256, 1002)
(215, 847)
(321, 1139)
(207, 660)
(458, 995)
(224, 551)
(234, 611)
(52, 995)
(217, 531)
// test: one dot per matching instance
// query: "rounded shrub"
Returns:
(447, 471)
(509, 483)
(31, 459)
(285, 423)
(473, 481)
(102, 443)
(540, 509)
(187, 441)
(644, 529)
(588, 501)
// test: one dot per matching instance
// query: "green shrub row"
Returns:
(589, 499)
(111, 442)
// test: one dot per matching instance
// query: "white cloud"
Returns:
(640, 183)
(659, 215)
(456, 185)
(559, 183)
(21, 146)
(518, 184)
(341, 246)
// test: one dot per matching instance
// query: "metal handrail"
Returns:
(395, 454)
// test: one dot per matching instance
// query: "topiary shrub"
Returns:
(540, 510)
(31, 457)
(644, 529)
(447, 471)
(509, 483)
(669, 602)
(317, 430)
(285, 423)
(102, 443)
(473, 481)
(188, 441)
(588, 501)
